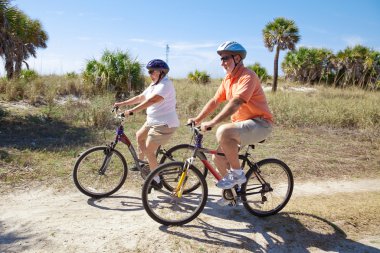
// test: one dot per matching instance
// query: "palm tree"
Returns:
(281, 34)
(7, 20)
(20, 36)
(30, 37)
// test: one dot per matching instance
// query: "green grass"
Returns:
(329, 133)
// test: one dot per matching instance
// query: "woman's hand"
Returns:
(117, 104)
(128, 113)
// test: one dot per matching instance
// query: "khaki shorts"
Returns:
(160, 134)
(253, 130)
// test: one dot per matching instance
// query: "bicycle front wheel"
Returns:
(268, 188)
(180, 153)
(100, 172)
(170, 207)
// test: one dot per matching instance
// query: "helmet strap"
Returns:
(233, 58)
(162, 75)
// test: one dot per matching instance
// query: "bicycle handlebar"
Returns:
(117, 116)
(196, 128)
(121, 115)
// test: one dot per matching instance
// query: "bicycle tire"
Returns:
(167, 209)
(180, 153)
(267, 202)
(88, 178)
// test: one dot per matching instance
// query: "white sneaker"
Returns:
(223, 202)
(230, 180)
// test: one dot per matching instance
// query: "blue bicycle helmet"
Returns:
(233, 48)
(158, 64)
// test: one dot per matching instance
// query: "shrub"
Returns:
(260, 71)
(28, 75)
(115, 71)
(71, 75)
(15, 90)
(200, 77)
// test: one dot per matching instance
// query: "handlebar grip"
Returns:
(115, 108)
(191, 124)
(207, 129)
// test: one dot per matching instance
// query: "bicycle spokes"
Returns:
(106, 162)
(100, 172)
(177, 205)
(268, 188)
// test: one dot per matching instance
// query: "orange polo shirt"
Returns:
(243, 83)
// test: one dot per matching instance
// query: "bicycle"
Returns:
(101, 171)
(268, 188)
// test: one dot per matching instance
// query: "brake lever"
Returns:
(115, 109)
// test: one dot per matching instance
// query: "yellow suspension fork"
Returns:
(182, 180)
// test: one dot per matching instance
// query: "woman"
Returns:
(159, 100)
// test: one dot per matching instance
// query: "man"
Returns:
(247, 107)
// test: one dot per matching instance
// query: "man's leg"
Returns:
(228, 137)
(221, 162)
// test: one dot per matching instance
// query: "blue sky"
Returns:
(80, 30)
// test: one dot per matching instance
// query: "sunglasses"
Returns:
(226, 58)
(150, 71)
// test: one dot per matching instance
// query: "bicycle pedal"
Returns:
(233, 203)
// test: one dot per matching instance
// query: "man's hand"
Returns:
(207, 126)
(191, 120)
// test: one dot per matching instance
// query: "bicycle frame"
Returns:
(208, 165)
(198, 148)
(122, 137)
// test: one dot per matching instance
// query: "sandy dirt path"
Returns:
(44, 220)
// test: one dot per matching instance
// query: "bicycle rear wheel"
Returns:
(180, 153)
(100, 172)
(268, 188)
(167, 207)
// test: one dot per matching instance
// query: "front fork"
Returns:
(183, 178)
(107, 159)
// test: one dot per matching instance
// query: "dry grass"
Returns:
(309, 134)
(358, 217)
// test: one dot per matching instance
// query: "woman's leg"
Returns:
(141, 136)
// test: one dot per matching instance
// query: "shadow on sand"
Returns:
(127, 203)
(283, 232)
